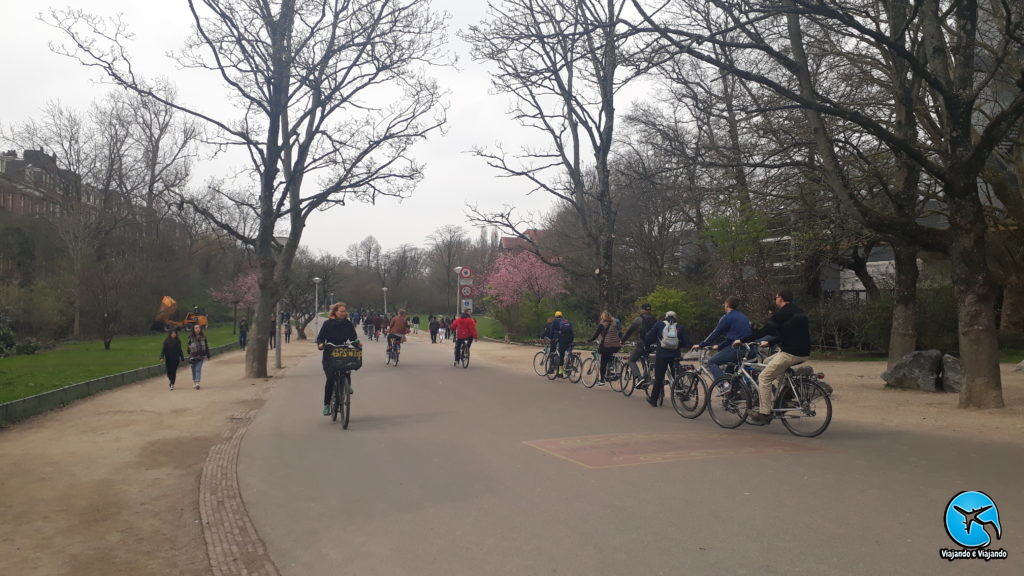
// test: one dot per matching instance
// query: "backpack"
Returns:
(669, 337)
(612, 338)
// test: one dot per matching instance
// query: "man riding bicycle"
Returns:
(561, 335)
(733, 325)
(464, 328)
(640, 326)
(790, 324)
(397, 329)
(338, 329)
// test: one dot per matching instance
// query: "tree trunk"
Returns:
(1012, 321)
(903, 333)
(976, 293)
(259, 336)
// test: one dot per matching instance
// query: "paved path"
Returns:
(467, 472)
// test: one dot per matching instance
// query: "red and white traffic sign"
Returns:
(466, 272)
(466, 291)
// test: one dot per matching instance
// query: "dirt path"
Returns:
(110, 485)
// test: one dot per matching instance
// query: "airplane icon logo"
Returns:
(967, 516)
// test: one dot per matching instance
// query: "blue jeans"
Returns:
(724, 356)
(197, 370)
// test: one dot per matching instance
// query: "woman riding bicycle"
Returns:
(338, 329)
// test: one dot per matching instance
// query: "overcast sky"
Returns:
(34, 75)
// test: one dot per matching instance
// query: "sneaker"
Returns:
(196, 385)
(172, 386)
(327, 409)
(652, 403)
(601, 382)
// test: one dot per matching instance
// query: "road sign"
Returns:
(466, 272)
(466, 291)
(465, 281)
(467, 304)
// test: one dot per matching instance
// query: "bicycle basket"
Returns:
(345, 359)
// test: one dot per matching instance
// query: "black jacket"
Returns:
(642, 324)
(172, 351)
(792, 327)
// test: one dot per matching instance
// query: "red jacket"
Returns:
(464, 328)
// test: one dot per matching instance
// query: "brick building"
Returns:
(33, 185)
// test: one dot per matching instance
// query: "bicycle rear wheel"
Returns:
(540, 362)
(689, 394)
(574, 368)
(465, 358)
(618, 371)
(346, 400)
(590, 372)
(808, 413)
(552, 367)
(728, 403)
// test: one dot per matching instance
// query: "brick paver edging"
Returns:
(16, 410)
(233, 545)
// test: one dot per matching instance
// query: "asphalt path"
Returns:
(446, 471)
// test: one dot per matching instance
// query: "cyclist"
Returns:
(733, 325)
(789, 323)
(338, 329)
(464, 328)
(669, 337)
(397, 329)
(607, 337)
(562, 337)
(641, 325)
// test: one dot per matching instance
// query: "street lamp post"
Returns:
(385, 290)
(316, 306)
(458, 274)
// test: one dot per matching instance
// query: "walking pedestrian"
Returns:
(172, 356)
(198, 352)
(287, 331)
(415, 324)
(435, 327)
(272, 341)
(243, 333)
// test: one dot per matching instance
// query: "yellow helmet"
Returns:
(558, 314)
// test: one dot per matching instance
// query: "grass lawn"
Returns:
(73, 362)
(488, 327)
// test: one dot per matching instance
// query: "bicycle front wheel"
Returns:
(806, 413)
(728, 403)
(465, 358)
(590, 372)
(346, 400)
(689, 394)
(335, 400)
(540, 362)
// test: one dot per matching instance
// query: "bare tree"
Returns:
(447, 245)
(307, 78)
(562, 62)
(952, 55)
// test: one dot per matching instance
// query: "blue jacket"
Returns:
(562, 330)
(733, 326)
(654, 337)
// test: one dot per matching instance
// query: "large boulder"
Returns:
(916, 371)
(952, 374)
(1020, 367)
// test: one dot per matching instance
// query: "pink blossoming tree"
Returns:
(517, 285)
(243, 290)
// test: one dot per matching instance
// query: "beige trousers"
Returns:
(772, 376)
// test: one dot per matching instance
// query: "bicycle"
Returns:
(343, 360)
(646, 375)
(731, 399)
(572, 368)
(613, 376)
(690, 389)
(393, 350)
(465, 353)
(540, 360)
